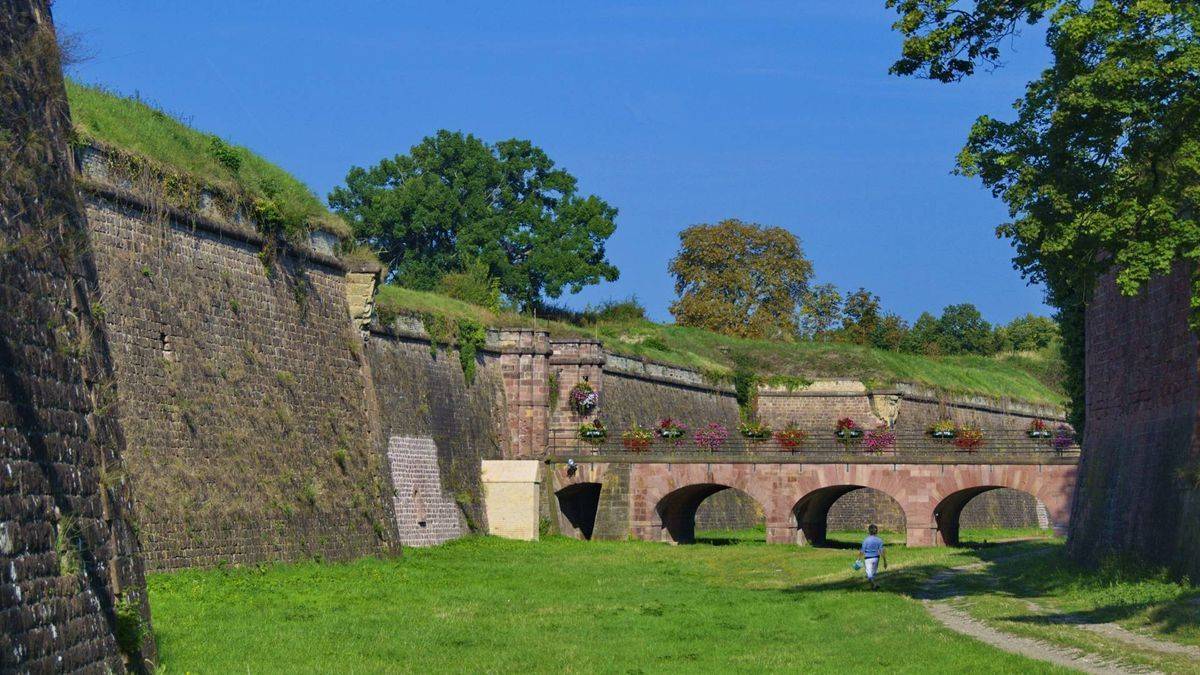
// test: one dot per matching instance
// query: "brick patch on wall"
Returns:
(425, 515)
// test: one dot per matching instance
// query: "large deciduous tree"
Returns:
(455, 201)
(1100, 168)
(740, 279)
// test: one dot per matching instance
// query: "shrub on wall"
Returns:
(471, 338)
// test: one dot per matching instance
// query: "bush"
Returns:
(628, 309)
(474, 284)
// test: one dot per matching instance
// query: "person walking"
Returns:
(871, 554)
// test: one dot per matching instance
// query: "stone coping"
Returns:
(411, 329)
(199, 221)
(653, 371)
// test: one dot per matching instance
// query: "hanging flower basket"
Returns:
(880, 439)
(1064, 438)
(755, 431)
(968, 437)
(1039, 429)
(712, 437)
(637, 438)
(943, 429)
(670, 430)
(593, 432)
(847, 429)
(790, 437)
(583, 398)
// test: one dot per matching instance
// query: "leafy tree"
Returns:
(820, 311)
(739, 278)
(890, 332)
(1026, 333)
(1100, 168)
(455, 199)
(962, 330)
(860, 317)
(922, 338)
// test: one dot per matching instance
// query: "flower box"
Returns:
(670, 430)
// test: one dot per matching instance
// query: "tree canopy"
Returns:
(740, 278)
(455, 201)
(1100, 168)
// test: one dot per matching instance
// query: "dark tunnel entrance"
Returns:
(579, 503)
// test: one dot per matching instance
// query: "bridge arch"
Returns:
(676, 510)
(578, 503)
(948, 511)
(811, 512)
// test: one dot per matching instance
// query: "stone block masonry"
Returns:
(70, 576)
(239, 386)
(1139, 476)
(512, 491)
(425, 514)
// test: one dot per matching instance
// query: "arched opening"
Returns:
(578, 504)
(677, 510)
(989, 511)
(730, 517)
(846, 509)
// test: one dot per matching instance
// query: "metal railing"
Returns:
(818, 443)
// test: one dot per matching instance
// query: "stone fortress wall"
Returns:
(240, 384)
(71, 576)
(265, 423)
(1138, 490)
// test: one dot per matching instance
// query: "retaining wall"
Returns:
(240, 382)
(1139, 475)
(71, 579)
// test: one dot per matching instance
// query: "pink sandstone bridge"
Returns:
(654, 496)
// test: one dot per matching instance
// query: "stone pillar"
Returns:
(511, 490)
(572, 362)
(523, 365)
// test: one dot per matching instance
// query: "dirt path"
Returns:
(937, 594)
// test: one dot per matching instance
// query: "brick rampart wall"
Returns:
(1139, 476)
(242, 393)
(425, 513)
(68, 552)
(423, 392)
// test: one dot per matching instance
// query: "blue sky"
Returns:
(677, 113)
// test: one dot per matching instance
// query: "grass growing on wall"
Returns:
(135, 127)
(1027, 377)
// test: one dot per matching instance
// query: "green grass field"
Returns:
(484, 604)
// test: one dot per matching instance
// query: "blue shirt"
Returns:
(872, 547)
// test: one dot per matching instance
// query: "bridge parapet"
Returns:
(999, 446)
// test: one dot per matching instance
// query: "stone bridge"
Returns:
(655, 497)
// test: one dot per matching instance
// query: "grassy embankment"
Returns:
(562, 605)
(138, 129)
(1031, 377)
